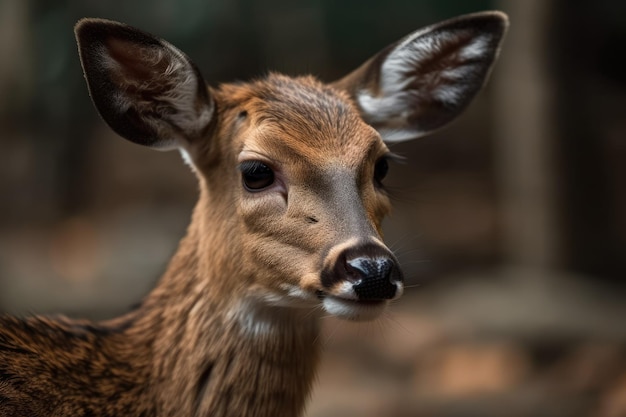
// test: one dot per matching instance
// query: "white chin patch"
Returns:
(353, 310)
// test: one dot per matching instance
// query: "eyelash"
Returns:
(256, 175)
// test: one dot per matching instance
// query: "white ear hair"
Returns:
(426, 79)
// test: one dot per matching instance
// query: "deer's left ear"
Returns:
(425, 80)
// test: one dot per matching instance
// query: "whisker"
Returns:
(332, 334)
(412, 286)
(397, 323)
(381, 329)
(399, 242)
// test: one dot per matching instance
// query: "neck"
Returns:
(208, 352)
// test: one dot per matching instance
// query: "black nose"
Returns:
(373, 277)
(370, 268)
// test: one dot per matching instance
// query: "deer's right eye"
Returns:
(380, 170)
(256, 175)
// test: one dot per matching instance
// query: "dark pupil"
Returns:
(381, 169)
(256, 175)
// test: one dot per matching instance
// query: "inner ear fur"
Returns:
(145, 89)
(425, 80)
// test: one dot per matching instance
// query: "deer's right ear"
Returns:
(146, 90)
(424, 81)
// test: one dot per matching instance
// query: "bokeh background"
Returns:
(510, 224)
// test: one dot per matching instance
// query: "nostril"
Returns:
(368, 268)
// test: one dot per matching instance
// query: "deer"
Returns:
(287, 228)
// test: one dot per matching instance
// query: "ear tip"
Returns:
(499, 18)
(88, 24)
(493, 14)
(492, 23)
(91, 28)
(82, 27)
(496, 20)
(500, 15)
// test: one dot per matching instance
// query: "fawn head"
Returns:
(294, 168)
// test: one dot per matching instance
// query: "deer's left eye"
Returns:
(256, 175)
(380, 170)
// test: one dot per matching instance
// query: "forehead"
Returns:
(305, 119)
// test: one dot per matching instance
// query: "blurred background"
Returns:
(510, 224)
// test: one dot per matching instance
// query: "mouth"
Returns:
(352, 309)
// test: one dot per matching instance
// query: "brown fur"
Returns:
(180, 353)
(232, 327)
